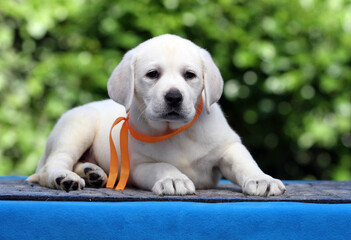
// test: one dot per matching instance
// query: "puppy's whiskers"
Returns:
(141, 110)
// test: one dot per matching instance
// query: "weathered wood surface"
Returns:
(299, 191)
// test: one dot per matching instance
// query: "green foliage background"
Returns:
(286, 66)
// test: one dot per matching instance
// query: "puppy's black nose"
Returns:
(174, 98)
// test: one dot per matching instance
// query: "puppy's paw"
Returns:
(93, 175)
(263, 186)
(66, 180)
(174, 186)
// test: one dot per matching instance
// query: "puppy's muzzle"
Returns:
(174, 98)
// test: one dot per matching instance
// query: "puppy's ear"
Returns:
(120, 85)
(213, 82)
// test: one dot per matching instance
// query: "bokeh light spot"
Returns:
(250, 77)
(231, 89)
(266, 105)
(307, 92)
(250, 116)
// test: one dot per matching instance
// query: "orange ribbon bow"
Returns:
(124, 148)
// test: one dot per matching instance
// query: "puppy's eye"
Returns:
(189, 75)
(153, 74)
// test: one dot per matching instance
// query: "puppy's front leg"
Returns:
(162, 179)
(238, 166)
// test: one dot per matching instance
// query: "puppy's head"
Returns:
(166, 76)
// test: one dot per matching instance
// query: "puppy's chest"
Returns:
(182, 153)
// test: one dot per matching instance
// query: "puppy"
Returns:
(160, 83)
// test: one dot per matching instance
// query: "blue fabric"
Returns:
(173, 220)
(13, 177)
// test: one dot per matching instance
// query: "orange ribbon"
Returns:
(124, 174)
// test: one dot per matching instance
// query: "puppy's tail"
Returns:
(33, 178)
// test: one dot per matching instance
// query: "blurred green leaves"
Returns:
(286, 66)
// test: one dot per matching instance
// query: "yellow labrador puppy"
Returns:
(160, 83)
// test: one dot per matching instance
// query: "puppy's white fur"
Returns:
(195, 158)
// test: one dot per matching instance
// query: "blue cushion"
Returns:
(173, 220)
